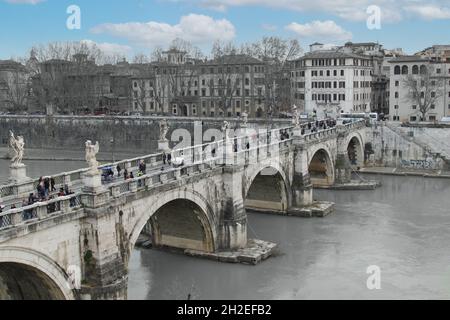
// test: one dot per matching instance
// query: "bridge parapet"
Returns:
(39, 211)
(199, 153)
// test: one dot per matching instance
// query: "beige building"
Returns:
(402, 106)
(330, 82)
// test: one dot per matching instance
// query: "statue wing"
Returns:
(97, 147)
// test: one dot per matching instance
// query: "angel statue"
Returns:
(18, 145)
(91, 152)
(295, 116)
(163, 130)
(225, 126)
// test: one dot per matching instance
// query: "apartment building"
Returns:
(226, 86)
(403, 106)
(330, 82)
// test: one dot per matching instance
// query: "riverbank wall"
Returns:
(387, 146)
(121, 134)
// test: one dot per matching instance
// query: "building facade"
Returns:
(226, 86)
(331, 82)
(403, 106)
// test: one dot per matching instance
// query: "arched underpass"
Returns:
(180, 224)
(267, 192)
(321, 169)
(355, 152)
(22, 282)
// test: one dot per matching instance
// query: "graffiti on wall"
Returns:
(419, 164)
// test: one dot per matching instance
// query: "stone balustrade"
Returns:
(208, 152)
(39, 211)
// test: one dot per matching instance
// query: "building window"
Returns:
(414, 107)
(396, 107)
(397, 83)
(342, 73)
(432, 107)
(175, 109)
(405, 70)
(438, 71)
(396, 95)
(397, 70)
(432, 118)
(413, 118)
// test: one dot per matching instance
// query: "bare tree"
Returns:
(220, 49)
(186, 46)
(69, 78)
(17, 88)
(156, 54)
(141, 59)
(424, 89)
(229, 81)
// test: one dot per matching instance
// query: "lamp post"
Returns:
(112, 149)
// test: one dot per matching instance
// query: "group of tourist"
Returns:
(127, 175)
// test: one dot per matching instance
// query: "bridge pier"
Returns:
(343, 169)
(103, 246)
(233, 226)
(302, 202)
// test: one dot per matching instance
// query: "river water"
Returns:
(403, 228)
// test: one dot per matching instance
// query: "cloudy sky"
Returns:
(137, 26)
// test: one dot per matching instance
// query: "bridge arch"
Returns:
(260, 184)
(355, 149)
(163, 214)
(29, 275)
(321, 167)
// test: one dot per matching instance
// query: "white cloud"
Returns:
(110, 48)
(24, 1)
(353, 10)
(430, 12)
(320, 30)
(198, 29)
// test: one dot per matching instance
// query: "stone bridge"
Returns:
(78, 246)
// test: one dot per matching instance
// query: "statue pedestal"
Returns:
(163, 145)
(18, 177)
(92, 181)
(18, 174)
(297, 132)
